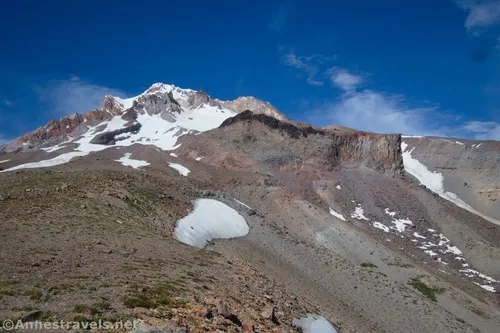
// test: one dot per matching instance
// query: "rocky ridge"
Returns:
(287, 144)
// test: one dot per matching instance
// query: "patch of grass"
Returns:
(400, 265)
(368, 265)
(48, 318)
(34, 295)
(425, 290)
(8, 283)
(93, 309)
(7, 292)
(152, 297)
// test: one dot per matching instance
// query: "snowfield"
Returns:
(210, 219)
(314, 324)
(183, 171)
(127, 161)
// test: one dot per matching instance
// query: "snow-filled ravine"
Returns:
(432, 243)
(127, 161)
(434, 181)
(210, 219)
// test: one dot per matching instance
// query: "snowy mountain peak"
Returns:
(166, 101)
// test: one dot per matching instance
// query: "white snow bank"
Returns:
(434, 182)
(459, 143)
(127, 161)
(199, 158)
(338, 187)
(337, 215)
(210, 219)
(381, 226)
(173, 155)
(388, 212)
(182, 169)
(431, 253)
(400, 224)
(416, 234)
(4, 161)
(359, 214)
(314, 324)
(486, 287)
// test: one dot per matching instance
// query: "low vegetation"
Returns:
(153, 297)
(429, 292)
(368, 265)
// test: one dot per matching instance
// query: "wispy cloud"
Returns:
(481, 13)
(278, 21)
(488, 130)
(343, 79)
(310, 65)
(378, 111)
(8, 102)
(74, 95)
(374, 111)
(381, 112)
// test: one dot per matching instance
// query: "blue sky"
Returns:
(415, 67)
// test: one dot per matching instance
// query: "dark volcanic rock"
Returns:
(293, 131)
(108, 138)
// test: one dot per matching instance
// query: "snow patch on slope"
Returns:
(136, 164)
(337, 215)
(182, 169)
(359, 214)
(314, 324)
(210, 219)
(435, 182)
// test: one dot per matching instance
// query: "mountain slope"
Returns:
(463, 171)
(331, 225)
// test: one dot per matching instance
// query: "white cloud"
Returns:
(307, 64)
(74, 95)
(279, 19)
(481, 14)
(8, 102)
(483, 130)
(380, 112)
(343, 79)
(375, 112)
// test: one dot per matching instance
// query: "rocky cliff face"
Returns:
(262, 142)
(469, 169)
